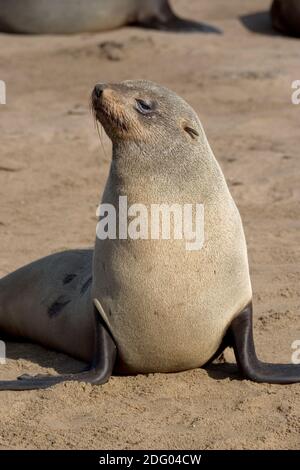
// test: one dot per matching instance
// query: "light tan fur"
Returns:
(167, 308)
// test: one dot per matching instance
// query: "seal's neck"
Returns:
(181, 168)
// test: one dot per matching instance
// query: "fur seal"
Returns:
(285, 15)
(75, 16)
(146, 305)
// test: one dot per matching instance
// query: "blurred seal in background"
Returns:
(285, 16)
(76, 16)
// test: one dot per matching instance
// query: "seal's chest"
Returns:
(159, 327)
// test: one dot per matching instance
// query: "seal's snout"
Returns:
(98, 97)
(99, 89)
(109, 109)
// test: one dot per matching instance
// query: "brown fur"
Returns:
(285, 16)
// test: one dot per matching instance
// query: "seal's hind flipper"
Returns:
(98, 373)
(241, 337)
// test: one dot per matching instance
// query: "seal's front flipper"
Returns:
(241, 336)
(99, 372)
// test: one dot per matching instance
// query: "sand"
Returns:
(52, 173)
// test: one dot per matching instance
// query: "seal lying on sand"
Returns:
(145, 305)
(75, 16)
(285, 16)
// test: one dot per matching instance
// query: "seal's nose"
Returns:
(98, 90)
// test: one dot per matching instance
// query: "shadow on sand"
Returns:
(223, 371)
(36, 354)
(180, 25)
(259, 22)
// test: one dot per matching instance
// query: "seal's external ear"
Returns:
(191, 131)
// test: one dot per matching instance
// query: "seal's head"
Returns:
(144, 113)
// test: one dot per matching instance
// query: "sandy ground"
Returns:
(52, 172)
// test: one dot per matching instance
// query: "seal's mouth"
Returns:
(108, 110)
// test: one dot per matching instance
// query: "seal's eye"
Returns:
(144, 107)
